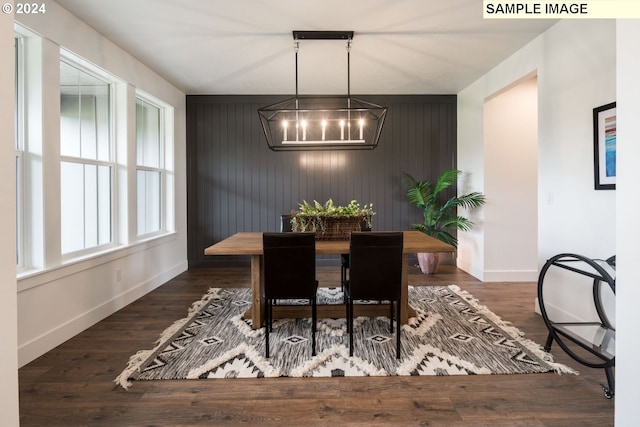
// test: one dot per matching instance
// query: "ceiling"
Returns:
(246, 46)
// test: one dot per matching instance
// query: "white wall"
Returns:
(60, 302)
(575, 64)
(9, 413)
(627, 411)
(579, 69)
(511, 183)
(580, 65)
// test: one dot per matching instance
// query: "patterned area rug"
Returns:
(451, 335)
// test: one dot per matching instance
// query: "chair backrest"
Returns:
(375, 270)
(285, 223)
(289, 265)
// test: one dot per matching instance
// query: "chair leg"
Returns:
(270, 314)
(390, 317)
(314, 320)
(266, 327)
(346, 307)
(398, 329)
(350, 325)
(343, 279)
(350, 316)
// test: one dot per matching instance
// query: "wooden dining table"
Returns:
(250, 244)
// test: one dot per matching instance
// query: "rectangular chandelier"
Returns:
(322, 122)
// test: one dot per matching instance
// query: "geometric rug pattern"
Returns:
(452, 334)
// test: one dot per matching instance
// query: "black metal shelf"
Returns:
(565, 333)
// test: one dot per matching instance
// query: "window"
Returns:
(149, 166)
(87, 166)
(19, 146)
(93, 190)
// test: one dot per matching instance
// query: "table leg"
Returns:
(257, 285)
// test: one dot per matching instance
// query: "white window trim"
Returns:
(165, 169)
(74, 255)
(86, 67)
(163, 228)
(20, 107)
(32, 217)
(41, 160)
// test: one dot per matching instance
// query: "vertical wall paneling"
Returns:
(235, 183)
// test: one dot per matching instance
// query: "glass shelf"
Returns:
(596, 351)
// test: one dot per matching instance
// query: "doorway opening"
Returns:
(511, 182)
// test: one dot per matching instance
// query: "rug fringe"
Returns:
(516, 333)
(132, 366)
(135, 361)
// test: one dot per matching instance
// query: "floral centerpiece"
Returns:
(330, 221)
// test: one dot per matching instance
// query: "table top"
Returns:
(250, 243)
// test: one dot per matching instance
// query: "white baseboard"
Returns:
(466, 266)
(35, 348)
(497, 275)
(510, 276)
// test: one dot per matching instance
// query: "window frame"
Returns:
(38, 223)
(111, 81)
(161, 169)
(19, 149)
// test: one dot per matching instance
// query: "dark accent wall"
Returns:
(235, 183)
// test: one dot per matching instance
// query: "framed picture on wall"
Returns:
(604, 146)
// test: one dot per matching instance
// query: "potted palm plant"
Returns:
(440, 216)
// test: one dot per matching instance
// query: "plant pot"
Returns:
(428, 262)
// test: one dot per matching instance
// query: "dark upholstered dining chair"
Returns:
(289, 273)
(285, 223)
(375, 273)
(344, 259)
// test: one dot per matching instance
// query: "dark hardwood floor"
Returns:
(72, 385)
